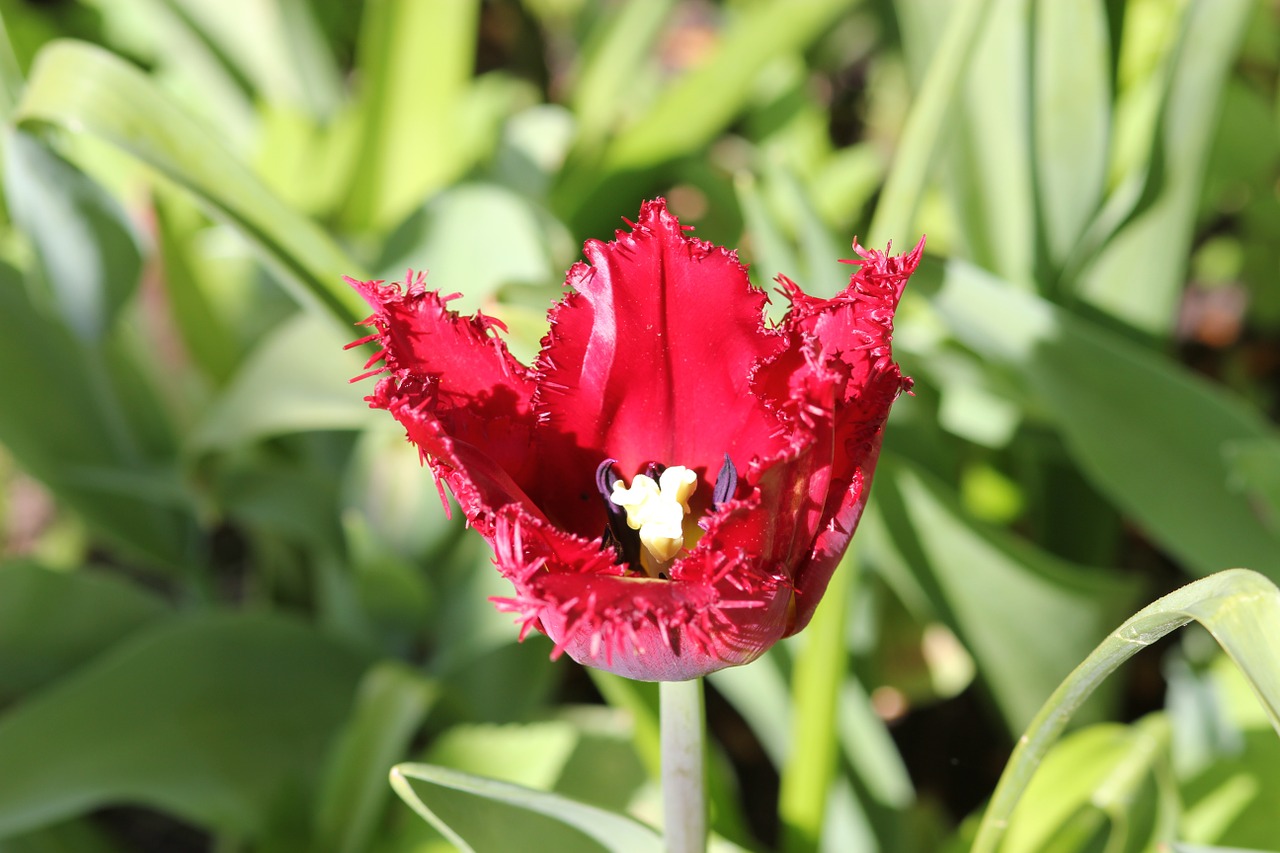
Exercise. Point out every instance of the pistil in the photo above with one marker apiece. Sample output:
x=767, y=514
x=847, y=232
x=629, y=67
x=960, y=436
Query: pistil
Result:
x=656, y=510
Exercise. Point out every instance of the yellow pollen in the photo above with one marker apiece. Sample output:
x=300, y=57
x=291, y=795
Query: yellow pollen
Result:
x=658, y=509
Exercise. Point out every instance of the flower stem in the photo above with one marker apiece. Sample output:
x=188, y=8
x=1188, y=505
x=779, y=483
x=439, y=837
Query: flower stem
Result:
x=683, y=788
x=820, y=672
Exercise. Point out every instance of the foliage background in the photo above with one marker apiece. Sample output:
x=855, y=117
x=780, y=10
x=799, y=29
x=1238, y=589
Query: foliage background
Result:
x=229, y=600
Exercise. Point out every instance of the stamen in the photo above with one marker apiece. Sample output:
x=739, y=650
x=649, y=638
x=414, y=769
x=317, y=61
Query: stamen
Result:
x=726, y=483
x=617, y=534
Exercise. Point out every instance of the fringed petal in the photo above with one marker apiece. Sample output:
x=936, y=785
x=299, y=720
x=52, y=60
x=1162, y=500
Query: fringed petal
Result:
x=649, y=359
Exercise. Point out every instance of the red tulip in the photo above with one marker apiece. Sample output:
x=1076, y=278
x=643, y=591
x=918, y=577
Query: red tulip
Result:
x=671, y=484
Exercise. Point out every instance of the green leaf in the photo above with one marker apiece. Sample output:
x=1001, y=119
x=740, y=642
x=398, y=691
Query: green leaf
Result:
x=54, y=621
x=760, y=694
x=415, y=60
x=84, y=89
x=87, y=255
x=101, y=443
x=217, y=719
x=209, y=340
x=1203, y=848
x=1071, y=104
x=1240, y=608
x=987, y=136
x=994, y=591
x=1148, y=434
x=391, y=704
x=294, y=381
x=486, y=816
x=276, y=51
x=1230, y=793
x=585, y=753
x=924, y=131
x=453, y=236
x=75, y=836
x=1139, y=273
x=693, y=110
x=807, y=777
x=1100, y=783
x=615, y=48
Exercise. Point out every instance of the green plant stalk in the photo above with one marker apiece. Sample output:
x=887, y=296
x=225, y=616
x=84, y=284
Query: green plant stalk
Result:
x=684, y=798
x=819, y=675
x=1240, y=608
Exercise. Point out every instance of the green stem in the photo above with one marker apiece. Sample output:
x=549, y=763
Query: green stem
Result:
x=684, y=796
x=816, y=681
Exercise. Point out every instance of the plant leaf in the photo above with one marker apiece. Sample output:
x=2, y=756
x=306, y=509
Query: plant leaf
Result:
x=53, y=621
x=214, y=718
x=390, y=706
x=1139, y=273
x=294, y=381
x=82, y=88
x=486, y=816
x=1240, y=608
x=88, y=258
x=1149, y=435
x=994, y=591
x=1071, y=105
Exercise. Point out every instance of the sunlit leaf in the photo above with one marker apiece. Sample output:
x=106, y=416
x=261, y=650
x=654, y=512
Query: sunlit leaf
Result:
x=295, y=381
x=1139, y=273
x=1071, y=102
x=85, y=89
x=482, y=815
x=89, y=261
x=1148, y=434
x=416, y=61
x=1240, y=608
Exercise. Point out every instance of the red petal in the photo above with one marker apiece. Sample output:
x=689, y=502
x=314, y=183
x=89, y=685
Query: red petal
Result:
x=649, y=360
x=464, y=400
x=702, y=620
x=845, y=342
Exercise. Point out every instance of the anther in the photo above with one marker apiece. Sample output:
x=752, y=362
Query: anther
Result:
x=726, y=483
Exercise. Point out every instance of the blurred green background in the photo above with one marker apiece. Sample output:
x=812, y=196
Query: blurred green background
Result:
x=229, y=598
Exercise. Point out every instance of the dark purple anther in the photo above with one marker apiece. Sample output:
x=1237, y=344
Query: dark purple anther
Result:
x=726, y=483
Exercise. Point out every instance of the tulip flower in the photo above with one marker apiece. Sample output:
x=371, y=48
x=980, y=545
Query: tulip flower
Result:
x=671, y=484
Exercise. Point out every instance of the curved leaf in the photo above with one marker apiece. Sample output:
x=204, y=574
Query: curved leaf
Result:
x=486, y=816
x=87, y=254
x=85, y=89
x=1240, y=608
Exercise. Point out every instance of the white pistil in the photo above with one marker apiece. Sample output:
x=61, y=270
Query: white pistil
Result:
x=657, y=510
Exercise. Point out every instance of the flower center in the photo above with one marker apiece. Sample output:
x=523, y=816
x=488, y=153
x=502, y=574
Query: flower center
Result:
x=656, y=510
x=648, y=522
